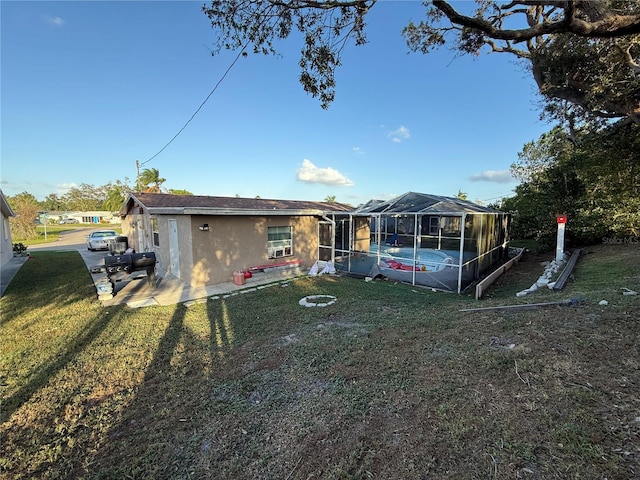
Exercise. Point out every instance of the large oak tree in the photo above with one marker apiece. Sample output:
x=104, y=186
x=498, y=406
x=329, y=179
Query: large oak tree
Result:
x=583, y=54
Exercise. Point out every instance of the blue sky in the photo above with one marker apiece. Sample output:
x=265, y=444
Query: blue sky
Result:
x=88, y=88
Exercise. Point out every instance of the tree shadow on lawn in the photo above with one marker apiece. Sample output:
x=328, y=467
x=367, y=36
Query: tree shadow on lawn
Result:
x=212, y=397
x=46, y=279
x=68, y=285
x=154, y=435
x=45, y=373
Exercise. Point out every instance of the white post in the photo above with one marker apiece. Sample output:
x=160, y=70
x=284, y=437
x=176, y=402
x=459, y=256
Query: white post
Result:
x=562, y=221
x=463, y=221
x=415, y=247
x=45, y=220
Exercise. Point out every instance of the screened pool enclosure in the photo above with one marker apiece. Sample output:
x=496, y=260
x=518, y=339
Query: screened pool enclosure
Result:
x=430, y=240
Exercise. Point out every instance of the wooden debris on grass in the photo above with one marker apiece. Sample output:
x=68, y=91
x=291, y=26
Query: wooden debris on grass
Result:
x=571, y=301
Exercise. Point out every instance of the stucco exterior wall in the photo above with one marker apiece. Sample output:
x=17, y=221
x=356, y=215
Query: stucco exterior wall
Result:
x=6, y=245
x=136, y=227
x=176, y=259
x=239, y=242
x=127, y=228
x=231, y=243
x=362, y=234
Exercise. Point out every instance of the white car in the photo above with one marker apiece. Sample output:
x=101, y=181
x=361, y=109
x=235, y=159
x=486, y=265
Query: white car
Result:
x=99, y=240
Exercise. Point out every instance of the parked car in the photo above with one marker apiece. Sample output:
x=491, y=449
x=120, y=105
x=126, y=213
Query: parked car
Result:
x=62, y=221
x=100, y=239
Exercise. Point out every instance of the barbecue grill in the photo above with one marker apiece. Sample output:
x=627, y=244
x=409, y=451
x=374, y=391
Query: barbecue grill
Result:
x=118, y=266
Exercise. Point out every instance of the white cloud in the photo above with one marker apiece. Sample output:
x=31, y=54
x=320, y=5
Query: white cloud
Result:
x=309, y=173
x=55, y=21
x=493, y=176
x=63, y=188
x=358, y=151
x=399, y=134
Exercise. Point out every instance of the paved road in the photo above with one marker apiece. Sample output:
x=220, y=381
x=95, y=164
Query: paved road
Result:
x=69, y=240
x=73, y=240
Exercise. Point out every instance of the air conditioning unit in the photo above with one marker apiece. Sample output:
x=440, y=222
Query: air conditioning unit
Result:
x=275, y=252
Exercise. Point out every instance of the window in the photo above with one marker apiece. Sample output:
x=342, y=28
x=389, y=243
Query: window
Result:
x=279, y=241
x=434, y=225
x=405, y=224
x=451, y=225
x=154, y=230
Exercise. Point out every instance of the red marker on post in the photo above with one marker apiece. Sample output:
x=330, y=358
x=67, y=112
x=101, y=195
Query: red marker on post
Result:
x=562, y=221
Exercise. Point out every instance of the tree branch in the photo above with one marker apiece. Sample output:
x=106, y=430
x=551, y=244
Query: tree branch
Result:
x=626, y=53
x=611, y=25
x=362, y=5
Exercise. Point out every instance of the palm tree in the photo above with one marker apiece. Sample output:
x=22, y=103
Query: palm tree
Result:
x=115, y=197
x=150, y=180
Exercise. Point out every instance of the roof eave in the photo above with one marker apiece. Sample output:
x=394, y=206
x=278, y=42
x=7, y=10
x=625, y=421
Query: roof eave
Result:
x=453, y=213
x=7, y=211
x=251, y=212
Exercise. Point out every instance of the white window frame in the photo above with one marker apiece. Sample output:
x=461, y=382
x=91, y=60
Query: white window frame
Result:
x=434, y=227
x=155, y=232
x=282, y=246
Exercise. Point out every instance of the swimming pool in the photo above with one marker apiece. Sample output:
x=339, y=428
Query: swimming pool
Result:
x=402, y=258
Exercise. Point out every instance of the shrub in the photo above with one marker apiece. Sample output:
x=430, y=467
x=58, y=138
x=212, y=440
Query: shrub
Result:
x=19, y=248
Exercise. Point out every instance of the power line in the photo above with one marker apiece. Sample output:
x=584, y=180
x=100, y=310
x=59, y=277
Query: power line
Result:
x=499, y=197
x=198, y=109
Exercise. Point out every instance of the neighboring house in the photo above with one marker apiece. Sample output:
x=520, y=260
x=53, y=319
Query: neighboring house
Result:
x=92, y=217
x=6, y=244
x=203, y=239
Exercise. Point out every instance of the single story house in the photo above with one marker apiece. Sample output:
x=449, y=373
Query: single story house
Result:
x=203, y=240
x=6, y=244
x=88, y=216
x=423, y=239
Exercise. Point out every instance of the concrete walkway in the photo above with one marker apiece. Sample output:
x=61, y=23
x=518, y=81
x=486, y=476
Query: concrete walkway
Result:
x=9, y=270
x=135, y=291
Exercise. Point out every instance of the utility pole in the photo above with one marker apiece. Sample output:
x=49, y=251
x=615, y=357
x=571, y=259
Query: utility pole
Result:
x=138, y=175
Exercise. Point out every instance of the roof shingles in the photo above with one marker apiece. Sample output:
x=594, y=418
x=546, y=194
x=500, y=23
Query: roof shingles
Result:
x=169, y=201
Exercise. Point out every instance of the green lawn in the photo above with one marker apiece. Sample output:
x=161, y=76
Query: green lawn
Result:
x=390, y=382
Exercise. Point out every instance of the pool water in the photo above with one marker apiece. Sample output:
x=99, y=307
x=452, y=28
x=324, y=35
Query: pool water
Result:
x=432, y=260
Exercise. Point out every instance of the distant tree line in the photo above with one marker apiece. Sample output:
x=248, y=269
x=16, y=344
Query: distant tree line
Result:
x=595, y=181
x=85, y=197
